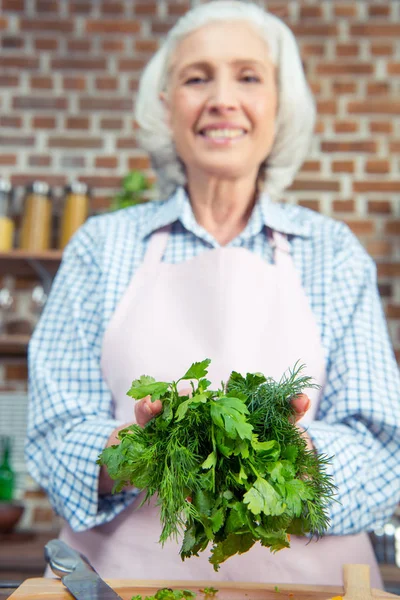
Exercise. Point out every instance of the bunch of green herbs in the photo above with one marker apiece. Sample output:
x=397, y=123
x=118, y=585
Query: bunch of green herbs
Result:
x=229, y=467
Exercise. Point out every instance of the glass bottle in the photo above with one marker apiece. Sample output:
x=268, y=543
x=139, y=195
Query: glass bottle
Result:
x=36, y=218
x=75, y=212
x=7, y=475
x=6, y=222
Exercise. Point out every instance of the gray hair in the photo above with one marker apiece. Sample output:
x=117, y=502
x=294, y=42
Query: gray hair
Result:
x=296, y=108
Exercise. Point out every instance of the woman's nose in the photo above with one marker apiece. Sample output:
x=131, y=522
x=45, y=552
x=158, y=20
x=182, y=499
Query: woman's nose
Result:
x=222, y=97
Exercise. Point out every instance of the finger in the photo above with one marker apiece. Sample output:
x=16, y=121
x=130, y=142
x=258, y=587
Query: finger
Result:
x=145, y=410
x=301, y=404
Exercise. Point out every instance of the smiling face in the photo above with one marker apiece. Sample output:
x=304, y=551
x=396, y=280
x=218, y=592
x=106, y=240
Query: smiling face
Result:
x=221, y=100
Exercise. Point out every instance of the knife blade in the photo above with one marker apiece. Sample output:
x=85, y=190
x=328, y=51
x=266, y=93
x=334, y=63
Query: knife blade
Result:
x=76, y=573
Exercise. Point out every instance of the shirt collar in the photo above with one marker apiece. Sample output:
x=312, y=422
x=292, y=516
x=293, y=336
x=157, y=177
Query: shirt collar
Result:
x=274, y=215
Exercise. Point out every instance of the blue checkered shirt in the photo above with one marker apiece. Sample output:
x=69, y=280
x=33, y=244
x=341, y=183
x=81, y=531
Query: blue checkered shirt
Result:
x=71, y=412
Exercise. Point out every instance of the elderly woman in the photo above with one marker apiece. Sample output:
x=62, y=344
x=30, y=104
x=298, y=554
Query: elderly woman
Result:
x=217, y=269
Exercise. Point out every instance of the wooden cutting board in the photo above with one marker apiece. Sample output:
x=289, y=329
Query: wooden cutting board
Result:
x=51, y=589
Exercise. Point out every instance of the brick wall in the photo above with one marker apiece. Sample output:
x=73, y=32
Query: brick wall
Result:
x=68, y=75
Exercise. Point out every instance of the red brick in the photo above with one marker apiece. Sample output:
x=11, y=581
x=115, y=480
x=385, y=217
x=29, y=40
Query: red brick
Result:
x=394, y=146
x=148, y=46
x=117, y=26
x=86, y=63
x=75, y=142
x=46, y=44
x=40, y=102
x=311, y=166
x=345, y=68
x=344, y=9
x=131, y=64
x=126, y=143
x=346, y=126
x=319, y=126
x=3, y=23
x=74, y=83
x=317, y=184
x=392, y=227
x=12, y=41
x=18, y=371
x=388, y=269
x=13, y=5
x=47, y=6
x=145, y=8
x=110, y=104
x=311, y=12
x=279, y=9
x=19, y=62
x=44, y=122
x=380, y=248
x=112, y=8
x=52, y=25
x=371, y=30
x=106, y=162
x=378, y=88
x=111, y=123
x=347, y=50
x=100, y=181
x=381, y=49
x=312, y=50
x=39, y=82
x=52, y=180
x=8, y=160
x=343, y=206
x=113, y=45
x=311, y=204
x=344, y=87
x=81, y=7
x=178, y=8
x=11, y=121
x=378, y=10
x=393, y=68
x=343, y=166
x=377, y=166
x=315, y=30
x=361, y=226
x=7, y=80
x=39, y=160
x=139, y=162
x=381, y=127
x=14, y=140
x=327, y=107
x=100, y=203
x=379, y=207
x=358, y=146
x=106, y=83
x=377, y=186
x=79, y=45
x=77, y=123
x=161, y=27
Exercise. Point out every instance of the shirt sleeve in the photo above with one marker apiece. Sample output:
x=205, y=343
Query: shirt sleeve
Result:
x=70, y=416
x=358, y=423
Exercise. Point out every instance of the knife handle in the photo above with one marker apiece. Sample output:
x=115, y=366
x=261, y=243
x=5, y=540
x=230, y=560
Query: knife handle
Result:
x=63, y=559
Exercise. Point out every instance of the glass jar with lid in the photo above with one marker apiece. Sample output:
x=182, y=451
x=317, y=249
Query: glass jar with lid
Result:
x=6, y=222
x=75, y=211
x=36, y=218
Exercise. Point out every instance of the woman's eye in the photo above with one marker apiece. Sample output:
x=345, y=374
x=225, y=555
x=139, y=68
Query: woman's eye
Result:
x=195, y=80
x=250, y=78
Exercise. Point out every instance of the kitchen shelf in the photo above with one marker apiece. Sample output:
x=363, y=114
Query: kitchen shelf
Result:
x=14, y=345
x=25, y=263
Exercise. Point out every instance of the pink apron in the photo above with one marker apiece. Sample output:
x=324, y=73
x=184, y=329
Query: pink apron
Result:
x=229, y=305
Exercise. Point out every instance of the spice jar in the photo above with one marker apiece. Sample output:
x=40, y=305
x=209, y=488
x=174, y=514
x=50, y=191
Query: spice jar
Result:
x=6, y=222
x=75, y=212
x=36, y=219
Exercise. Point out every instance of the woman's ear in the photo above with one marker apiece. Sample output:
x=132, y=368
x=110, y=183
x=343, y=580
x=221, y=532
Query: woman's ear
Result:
x=167, y=113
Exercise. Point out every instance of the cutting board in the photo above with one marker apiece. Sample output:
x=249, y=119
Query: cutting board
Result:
x=51, y=589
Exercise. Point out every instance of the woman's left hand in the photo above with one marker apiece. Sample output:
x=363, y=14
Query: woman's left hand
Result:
x=301, y=404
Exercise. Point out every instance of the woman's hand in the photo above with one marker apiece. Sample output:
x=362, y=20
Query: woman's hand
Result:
x=301, y=404
x=145, y=410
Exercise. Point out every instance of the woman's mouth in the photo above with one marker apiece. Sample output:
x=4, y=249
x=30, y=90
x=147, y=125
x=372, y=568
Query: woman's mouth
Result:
x=222, y=134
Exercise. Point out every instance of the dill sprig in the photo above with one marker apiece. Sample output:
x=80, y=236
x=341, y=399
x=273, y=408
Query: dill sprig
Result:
x=228, y=467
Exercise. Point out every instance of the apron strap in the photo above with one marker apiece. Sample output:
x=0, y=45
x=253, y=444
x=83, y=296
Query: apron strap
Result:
x=156, y=246
x=279, y=242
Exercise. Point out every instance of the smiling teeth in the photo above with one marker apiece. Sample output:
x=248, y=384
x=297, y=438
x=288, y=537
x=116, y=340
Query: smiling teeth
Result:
x=223, y=133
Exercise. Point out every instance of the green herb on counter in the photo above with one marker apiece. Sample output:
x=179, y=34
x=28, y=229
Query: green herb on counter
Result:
x=209, y=591
x=229, y=467
x=168, y=594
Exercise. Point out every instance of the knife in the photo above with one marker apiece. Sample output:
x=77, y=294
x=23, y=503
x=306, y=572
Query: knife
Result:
x=76, y=573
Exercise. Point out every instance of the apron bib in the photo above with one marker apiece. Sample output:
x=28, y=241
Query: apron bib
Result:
x=229, y=305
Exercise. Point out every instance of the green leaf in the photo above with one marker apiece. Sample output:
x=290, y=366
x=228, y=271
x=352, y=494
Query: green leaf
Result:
x=197, y=370
x=234, y=544
x=210, y=461
x=263, y=498
x=269, y=450
x=217, y=519
x=229, y=414
x=148, y=386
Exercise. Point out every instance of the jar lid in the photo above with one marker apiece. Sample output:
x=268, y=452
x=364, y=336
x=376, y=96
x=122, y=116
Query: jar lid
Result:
x=77, y=187
x=5, y=186
x=38, y=187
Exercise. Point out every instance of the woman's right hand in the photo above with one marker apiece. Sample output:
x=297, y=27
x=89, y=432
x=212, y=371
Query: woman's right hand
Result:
x=145, y=410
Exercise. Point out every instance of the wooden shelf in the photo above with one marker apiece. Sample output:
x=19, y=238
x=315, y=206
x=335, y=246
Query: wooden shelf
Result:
x=21, y=262
x=14, y=345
